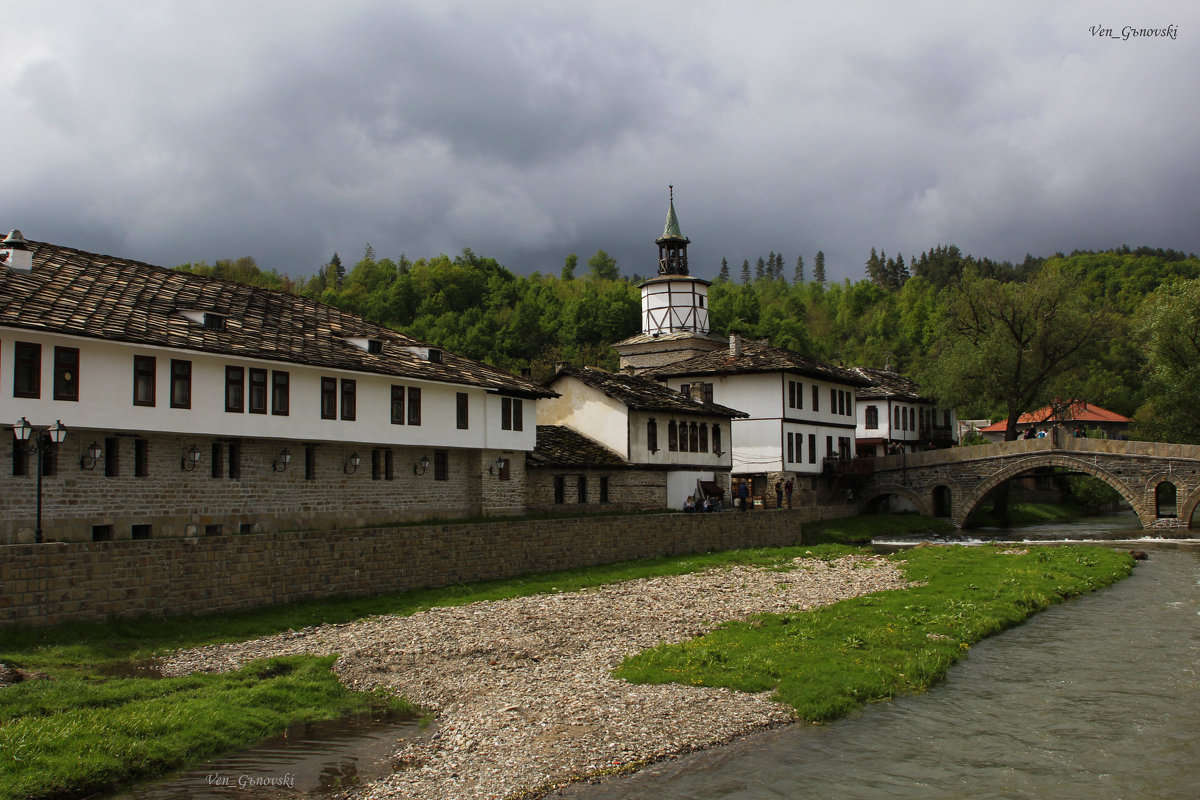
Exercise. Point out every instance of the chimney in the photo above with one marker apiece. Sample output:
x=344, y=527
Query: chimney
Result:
x=735, y=344
x=15, y=253
x=696, y=391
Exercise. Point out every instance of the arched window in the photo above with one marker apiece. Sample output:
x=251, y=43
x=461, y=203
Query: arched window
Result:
x=1165, y=494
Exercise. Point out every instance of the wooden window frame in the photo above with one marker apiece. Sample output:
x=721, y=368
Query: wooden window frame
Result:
x=235, y=389
x=66, y=373
x=27, y=355
x=145, y=380
x=181, y=383
x=281, y=393
x=256, y=398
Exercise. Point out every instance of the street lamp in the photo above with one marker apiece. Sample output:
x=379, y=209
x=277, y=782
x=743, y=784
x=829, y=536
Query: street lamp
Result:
x=48, y=439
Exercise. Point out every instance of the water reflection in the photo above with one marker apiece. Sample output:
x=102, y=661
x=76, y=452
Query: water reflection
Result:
x=1096, y=698
x=308, y=760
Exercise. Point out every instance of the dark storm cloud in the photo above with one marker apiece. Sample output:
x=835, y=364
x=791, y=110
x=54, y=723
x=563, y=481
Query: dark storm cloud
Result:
x=526, y=131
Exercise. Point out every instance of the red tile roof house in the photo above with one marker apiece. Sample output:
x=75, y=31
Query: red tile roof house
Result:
x=1077, y=413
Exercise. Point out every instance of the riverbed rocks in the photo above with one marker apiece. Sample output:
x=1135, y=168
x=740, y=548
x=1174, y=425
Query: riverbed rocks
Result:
x=522, y=690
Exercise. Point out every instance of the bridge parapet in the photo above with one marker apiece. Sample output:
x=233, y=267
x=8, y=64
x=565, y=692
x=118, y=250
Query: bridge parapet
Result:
x=1021, y=447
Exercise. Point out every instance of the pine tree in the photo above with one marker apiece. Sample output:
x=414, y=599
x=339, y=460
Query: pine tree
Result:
x=746, y=271
x=798, y=278
x=368, y=252
x=819, y=267
x=723, y=275
x=760, y=269
x=771, y=265
x=336, y=270
x=874, y=269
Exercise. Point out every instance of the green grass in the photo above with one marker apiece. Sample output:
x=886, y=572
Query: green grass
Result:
x=1025, y=514
x=73, y=736
x=827, y=662
x=856, y=530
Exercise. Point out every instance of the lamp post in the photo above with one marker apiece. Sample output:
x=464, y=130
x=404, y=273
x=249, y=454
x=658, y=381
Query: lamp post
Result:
x=47, y=440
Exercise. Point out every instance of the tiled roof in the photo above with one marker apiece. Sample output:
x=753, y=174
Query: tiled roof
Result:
x=757, y=357
x=1079, y=411
x=559, y=446
x=644, y=395
x=885, y=384
x=102, y=297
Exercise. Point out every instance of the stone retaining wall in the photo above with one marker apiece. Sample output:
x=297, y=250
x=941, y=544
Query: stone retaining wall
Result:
x=52, y=583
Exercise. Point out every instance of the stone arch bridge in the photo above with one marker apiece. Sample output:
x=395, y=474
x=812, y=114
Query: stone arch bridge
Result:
x=1161, y=482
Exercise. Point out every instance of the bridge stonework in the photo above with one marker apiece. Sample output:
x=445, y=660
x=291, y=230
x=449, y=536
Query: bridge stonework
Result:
x=953, y=482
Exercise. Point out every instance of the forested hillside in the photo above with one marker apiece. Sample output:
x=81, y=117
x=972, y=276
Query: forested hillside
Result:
x=1118, y=328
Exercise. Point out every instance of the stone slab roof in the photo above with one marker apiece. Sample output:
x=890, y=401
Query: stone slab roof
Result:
x=96, y=296
x=681, y=336
x=759, y=357
x=888, y=384
x=560, y=446
x=641, y=394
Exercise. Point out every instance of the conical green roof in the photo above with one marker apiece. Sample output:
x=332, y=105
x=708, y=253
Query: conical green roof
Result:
x=671, y=229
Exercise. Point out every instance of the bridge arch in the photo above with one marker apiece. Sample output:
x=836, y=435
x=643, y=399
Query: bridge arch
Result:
x=880, y=491
x=1136, y=498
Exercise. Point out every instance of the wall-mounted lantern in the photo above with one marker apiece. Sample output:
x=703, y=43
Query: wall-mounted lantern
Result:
x=420, y=466
x=352, y=463
x=281, y=464
x=190, y=458
x=91, y=457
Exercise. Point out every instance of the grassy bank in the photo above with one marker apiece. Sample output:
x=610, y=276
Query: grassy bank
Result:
x=829, y=661
x=83, y=730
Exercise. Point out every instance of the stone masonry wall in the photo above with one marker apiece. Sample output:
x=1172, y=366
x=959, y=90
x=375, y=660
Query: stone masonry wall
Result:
x=174, y=502
x=51, y=583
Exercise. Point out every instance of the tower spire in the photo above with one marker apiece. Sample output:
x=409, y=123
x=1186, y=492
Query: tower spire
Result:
x=672, y=245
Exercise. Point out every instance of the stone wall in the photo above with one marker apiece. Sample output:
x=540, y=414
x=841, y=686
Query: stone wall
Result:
x=51, y=583
x=175, y=502
x=628, y=489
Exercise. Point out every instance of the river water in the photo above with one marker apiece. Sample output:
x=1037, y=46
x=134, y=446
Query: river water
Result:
x=1098, y=697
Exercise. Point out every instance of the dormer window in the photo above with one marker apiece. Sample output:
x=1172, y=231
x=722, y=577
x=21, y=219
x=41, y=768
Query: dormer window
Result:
x=374, y=346
x=430, y=354
x=214, y=322
x=435, y=356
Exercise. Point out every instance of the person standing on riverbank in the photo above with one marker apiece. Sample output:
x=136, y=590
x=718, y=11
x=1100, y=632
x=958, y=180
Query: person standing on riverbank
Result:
x=743, y=494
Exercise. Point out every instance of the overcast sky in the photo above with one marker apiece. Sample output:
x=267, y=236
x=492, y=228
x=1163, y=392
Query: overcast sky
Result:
x=192, y=131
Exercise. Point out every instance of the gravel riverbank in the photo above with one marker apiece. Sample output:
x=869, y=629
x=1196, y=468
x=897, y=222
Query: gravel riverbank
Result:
x=521, y=688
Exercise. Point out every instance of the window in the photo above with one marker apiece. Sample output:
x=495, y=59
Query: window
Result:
x=694, y=438
x=582, y=489
x=872, y=417
x=717, y=439
x=703, y=439
x=559, y=490
x=789, y=448
x=235, y=460
x=102, y=533
x=235, y=389
x=27, y=370
x=441, y=465
x=140, y=531
x=812, y=448
x=218, y=460
x=414, y=406
x=842, y=398
x=214, y=322
x=791, y=394
x=816, y=398
x=348, y=395
x=280, y=393
x=603, y=488
x=310, y=463
x=896, y=424
x=462, y=408
x=50, y=462
x=833, y=401
x=512, y=414
x=144, y=368
x=112, y=457
x=258, y=391
x=328, y=398
x=708, y=392
x=141, y=458
x=829, y=451
x=389, y=466
x=397, y=405
x=376, y=464
x=66, y=373
x=652, y=435
x=181, y=383
x=672, y=436
x=683, y=437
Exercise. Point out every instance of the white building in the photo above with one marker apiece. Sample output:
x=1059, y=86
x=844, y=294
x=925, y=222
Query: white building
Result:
x=894, y=416
x=675, y=440
x=800, y=413
x=198, y=406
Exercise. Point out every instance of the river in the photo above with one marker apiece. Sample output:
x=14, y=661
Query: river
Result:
x=1098, y=697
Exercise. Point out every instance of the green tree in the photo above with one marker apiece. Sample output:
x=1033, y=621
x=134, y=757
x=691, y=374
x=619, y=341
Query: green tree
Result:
x=746, y=271
x=1006, y=344
x=798, y=277
x=604, y=267
x=1168, y=326
x=723, y=275
x=568, y=270
x=819, y=267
